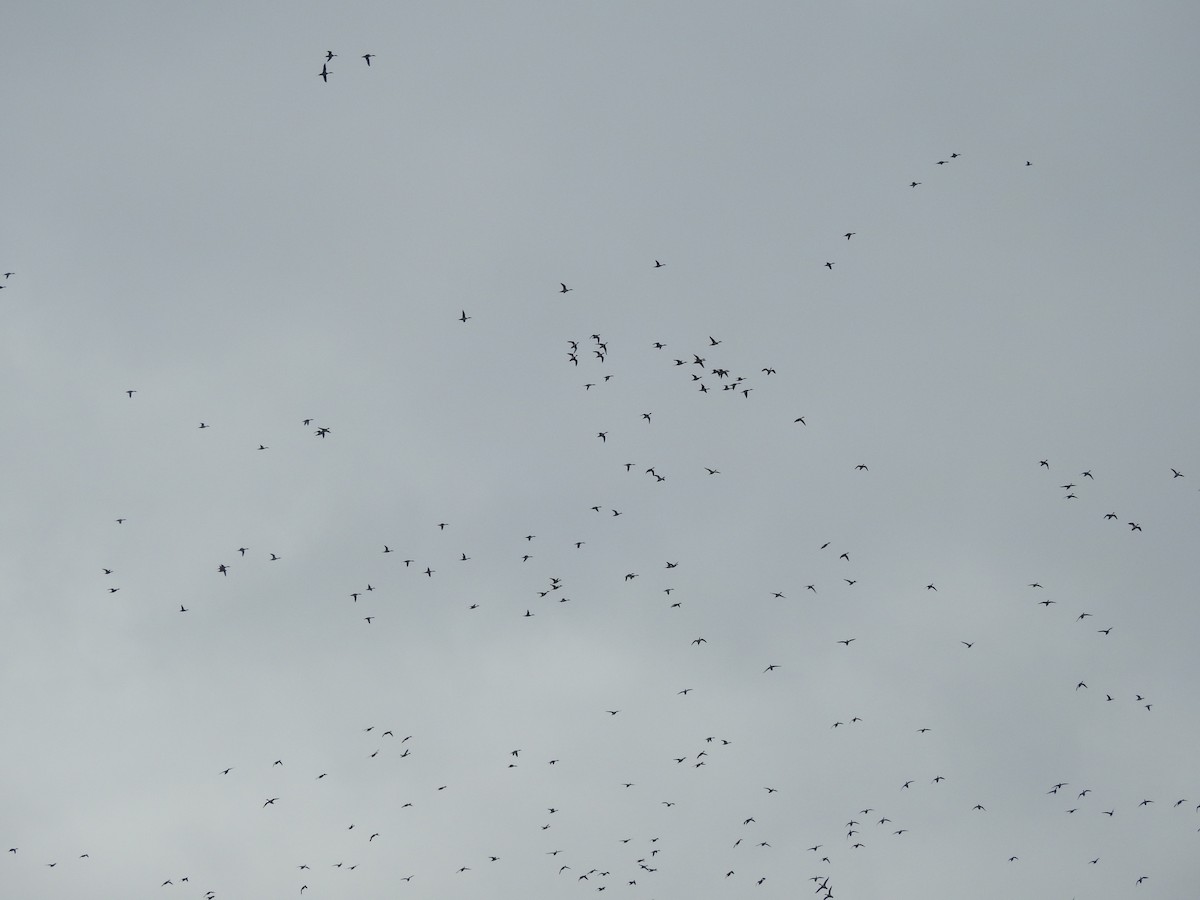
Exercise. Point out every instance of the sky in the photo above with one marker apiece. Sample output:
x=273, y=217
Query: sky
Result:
x=848, y=563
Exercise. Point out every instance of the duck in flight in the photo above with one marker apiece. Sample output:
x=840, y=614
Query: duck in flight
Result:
x=565, y=288
x=325, y=73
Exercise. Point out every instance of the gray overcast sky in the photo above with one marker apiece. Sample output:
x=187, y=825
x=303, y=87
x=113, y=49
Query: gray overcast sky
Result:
x=191, y=213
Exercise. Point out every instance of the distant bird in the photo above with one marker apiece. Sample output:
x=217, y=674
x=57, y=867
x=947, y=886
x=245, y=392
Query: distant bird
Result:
x=270, y=802
x=829, y=266
x=967, y=644
x=131, y=393
x=848, y=641
x=800, y=420
x=463, y=316
x=183, y=608
x=1134, y=526
x=915, y=183
x=1175, y=473
x=325, y=73
x=329, y=55
x=849, y=234
x=565, y=288
x=367, y=57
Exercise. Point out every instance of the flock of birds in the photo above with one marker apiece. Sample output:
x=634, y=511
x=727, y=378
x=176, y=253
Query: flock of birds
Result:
x=329, y=57
x=646, y=855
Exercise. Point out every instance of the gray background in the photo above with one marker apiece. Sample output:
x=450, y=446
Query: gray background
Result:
x=192, y=214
